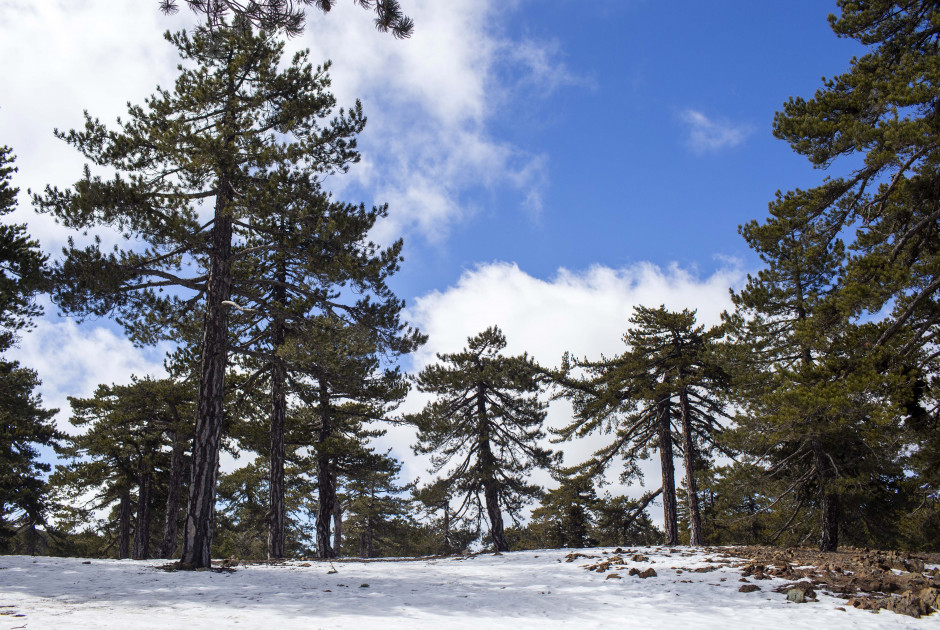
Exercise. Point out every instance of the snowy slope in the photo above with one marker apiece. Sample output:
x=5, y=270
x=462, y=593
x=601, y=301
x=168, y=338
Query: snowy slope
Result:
x=521, y=590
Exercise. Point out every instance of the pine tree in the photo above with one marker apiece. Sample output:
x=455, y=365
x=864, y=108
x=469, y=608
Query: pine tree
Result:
x=636, y=395
x=308, y=256
x=485, y=424
x=376, y=507
x=878, y=122
x=26, y=426
x=231, y=118
x=817, y=412
x=132, y=452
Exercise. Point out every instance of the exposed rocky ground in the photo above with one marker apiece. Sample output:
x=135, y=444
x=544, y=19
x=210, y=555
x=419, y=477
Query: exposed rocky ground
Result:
x=867, y=580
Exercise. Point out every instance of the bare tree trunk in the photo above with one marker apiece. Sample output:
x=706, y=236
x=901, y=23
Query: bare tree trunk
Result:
x=448, y=545
x=197, y=533
x=142, y=526
x=669, y=476
x=124, y=531
x=337, y=529
x=171, y=523
x=326, y=478
x=488, y=471
x=277, y=511
x=688, y=448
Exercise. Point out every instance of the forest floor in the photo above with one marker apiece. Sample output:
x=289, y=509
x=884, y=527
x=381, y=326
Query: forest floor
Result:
x=646, y=588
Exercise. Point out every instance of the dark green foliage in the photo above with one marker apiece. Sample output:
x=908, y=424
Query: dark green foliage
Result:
x=289, y=14
x=122, y=461
x=377, y=516
x=22, y=265
x=485, y=425
x=663, y=392
x=565, y=517
x=621, y=521
x=26, y=427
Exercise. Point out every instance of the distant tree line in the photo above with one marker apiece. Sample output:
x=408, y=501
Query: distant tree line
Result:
x=808, y=415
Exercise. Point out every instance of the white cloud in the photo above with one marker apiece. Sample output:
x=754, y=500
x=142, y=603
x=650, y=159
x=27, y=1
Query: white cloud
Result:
x=706, y=134
x=72, y=361
x=585, y=313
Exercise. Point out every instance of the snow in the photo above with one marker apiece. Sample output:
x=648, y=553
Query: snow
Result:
x=519, y=590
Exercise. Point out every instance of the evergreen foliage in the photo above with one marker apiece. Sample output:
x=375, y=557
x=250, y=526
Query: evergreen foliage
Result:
x=663, y=392
x=289, y=14
x=232, y=119
x=26, y=426
x=485, y=425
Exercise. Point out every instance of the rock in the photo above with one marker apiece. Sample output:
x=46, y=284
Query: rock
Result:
x=796, y=596
x=87, y=562
x=639, y=558
x=749, y=588
x=363, y=585
x=907, y=604
x=633, y=571
x=648, y=573
x=611, y=576
x=304, y=564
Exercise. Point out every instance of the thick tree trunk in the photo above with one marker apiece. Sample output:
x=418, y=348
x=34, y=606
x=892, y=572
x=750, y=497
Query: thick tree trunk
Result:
x=688, y=448
x=277, y=512
x=326, y=478
x=124, y=530
x=197, y=533
x=142, y=527
x=669, y=476
x=174, y=489
x=337, y=529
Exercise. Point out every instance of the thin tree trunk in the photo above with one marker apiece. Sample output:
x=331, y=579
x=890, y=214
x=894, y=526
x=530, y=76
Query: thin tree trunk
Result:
x=197, y=533
x=362, y=544
x=124, y=531
x=448, y=545
x=688, y=448
x=171, y=523
x=337, y=529
x=142, y=527
x=669, y=475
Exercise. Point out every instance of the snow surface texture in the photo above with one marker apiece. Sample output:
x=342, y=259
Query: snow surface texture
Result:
x=520, y=590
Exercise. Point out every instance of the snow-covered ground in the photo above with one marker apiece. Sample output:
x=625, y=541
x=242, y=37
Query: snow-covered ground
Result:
x=520, y=590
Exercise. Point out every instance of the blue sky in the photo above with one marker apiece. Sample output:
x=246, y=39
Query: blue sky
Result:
x=549, y=163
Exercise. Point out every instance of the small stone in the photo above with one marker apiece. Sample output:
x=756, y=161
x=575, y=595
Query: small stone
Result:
x=648, y=573
x=87, y=562
x=363, y=585
x=633, y=571
x=796, y=595
x=613, y=576
x=750, y=588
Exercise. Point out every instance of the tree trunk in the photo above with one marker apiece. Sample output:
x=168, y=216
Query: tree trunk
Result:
x=829, y=503
x=688, y=448
x=337, y=529
x=124, y=531
x=277, y=512
x=448, y=545
x=669, y=475
x=174, y=489
x=488, y=472
x=197, y=533
x=362, y=544
x=326, y=478
x=142, y=527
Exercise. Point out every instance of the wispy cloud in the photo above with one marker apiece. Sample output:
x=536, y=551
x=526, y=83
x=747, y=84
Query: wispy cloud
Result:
x=707, y=134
